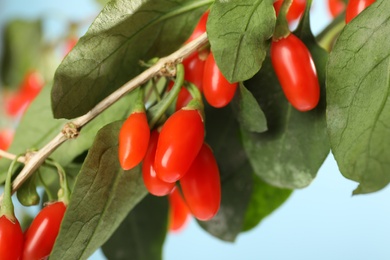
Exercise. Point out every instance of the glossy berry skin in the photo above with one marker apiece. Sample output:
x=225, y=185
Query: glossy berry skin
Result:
x=201, y=185
x=193, y=65
x=294, y=12
x=153, y=184
x=295, y=69
x=11, y=239
x=355, y=7
x=178, y=211
x=43, y=231
x=335, y=7
x=183, y=98
x=216, y=89
x=200, y=28
x=180, y=140
x=133, y=140
x=194, y=68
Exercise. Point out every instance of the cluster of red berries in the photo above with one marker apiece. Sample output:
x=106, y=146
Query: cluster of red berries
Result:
x=202, y=70
x=37, y=241
x=177, y=153
x=292, y=61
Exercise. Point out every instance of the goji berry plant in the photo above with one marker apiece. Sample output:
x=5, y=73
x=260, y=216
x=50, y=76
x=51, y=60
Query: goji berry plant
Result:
x=166, y=110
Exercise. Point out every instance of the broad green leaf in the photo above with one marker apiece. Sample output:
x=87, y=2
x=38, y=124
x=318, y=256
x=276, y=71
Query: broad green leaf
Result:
x=141, y=235
x=38, y=127
x=290, y=153
x=108, y=55
x=358, y=87
x=264, y=200
x=238, y=32
x=22, y=50
x=102, y=197
x=223, y=136
x=248, y=111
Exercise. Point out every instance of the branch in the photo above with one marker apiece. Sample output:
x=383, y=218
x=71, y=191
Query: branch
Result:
x=11, y=156
x=40, y=156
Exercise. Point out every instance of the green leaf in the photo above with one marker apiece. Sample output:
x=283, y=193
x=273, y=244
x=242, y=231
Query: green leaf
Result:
x=22, y=50
x=238, y=32
x=248, y=111
x=264, y=200
x=290, y=153
x=27, y=194
x=223, y=136
x=108, y=55
x=38, y=127
x=141, y=235
x=358, y=112
x=103, y=195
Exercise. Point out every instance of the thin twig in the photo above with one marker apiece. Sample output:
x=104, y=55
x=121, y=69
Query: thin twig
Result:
x=148, y=74
x=11, y=156
x=40, y=156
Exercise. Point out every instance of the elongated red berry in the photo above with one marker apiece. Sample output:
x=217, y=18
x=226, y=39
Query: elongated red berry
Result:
x=201, y=185
x=11, y=239
x=43, y=231
x=200, y=27
x=194, y=68
x=180, y=140
x=178, y=211
x=295, y=69
x=133, y=140
x=152, y=183
x=216, y=89
x=193, y=65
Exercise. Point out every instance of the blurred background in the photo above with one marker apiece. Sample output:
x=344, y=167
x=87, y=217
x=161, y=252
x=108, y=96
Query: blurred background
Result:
x=323, y=221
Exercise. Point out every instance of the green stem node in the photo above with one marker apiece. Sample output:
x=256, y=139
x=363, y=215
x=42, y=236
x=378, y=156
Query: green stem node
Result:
x=173, y=93
x=64, y=191
x=7, y=207
x=281, y=27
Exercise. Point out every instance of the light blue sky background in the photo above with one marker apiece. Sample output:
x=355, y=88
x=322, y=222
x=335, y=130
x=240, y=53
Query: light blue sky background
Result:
x=320, y=222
